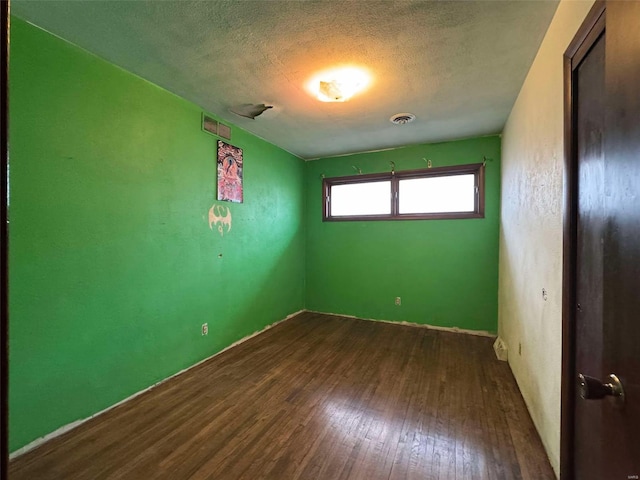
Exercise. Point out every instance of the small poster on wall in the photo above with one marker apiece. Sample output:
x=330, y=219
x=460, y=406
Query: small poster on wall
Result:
x=229, y=172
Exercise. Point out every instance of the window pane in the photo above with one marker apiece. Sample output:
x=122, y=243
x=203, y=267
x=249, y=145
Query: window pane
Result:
x=455, y=193
x=372, y=198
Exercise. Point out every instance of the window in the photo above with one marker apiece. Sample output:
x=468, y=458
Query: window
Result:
x=434, y=193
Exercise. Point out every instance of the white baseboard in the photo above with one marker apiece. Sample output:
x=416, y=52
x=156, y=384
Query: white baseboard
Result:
x=479, y=333
x=70, y=426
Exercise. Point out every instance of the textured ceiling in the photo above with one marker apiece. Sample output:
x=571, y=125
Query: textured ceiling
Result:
x=458, y=66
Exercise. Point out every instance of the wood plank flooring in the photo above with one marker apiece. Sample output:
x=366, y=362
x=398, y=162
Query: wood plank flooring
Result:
x=316, y=397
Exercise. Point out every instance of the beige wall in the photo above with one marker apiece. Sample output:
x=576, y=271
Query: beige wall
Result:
x=531, y=229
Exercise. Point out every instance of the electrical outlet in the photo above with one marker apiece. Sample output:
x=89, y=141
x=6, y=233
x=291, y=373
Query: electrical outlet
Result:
x=398, y=301
x=205, y=329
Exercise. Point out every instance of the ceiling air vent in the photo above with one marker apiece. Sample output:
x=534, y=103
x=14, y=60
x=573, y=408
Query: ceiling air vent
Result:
x=402, y=118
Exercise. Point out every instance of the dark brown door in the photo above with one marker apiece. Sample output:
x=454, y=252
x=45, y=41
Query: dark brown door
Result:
x=591, y=226
x=606, y=245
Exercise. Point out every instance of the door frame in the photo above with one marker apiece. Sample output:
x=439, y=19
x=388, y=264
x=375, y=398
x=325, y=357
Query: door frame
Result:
x=586, y=36
x=4, y=269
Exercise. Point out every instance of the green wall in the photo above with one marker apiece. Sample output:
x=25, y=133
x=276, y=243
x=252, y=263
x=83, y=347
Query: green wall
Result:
x=113, y=267
x=445, y=271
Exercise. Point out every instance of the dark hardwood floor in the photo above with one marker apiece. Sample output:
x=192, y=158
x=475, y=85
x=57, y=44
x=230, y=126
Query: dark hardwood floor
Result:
x=316, y=397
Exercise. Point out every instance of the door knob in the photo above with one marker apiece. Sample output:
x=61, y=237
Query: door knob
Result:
x=593, y=389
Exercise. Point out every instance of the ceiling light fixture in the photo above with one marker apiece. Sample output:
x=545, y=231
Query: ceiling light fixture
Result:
x=339, y=84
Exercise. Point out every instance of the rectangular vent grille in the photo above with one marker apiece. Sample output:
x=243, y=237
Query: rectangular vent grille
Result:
x=214, y=127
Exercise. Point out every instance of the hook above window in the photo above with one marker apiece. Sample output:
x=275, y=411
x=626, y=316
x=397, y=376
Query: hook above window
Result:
x=357, y=169
x=393, y=167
